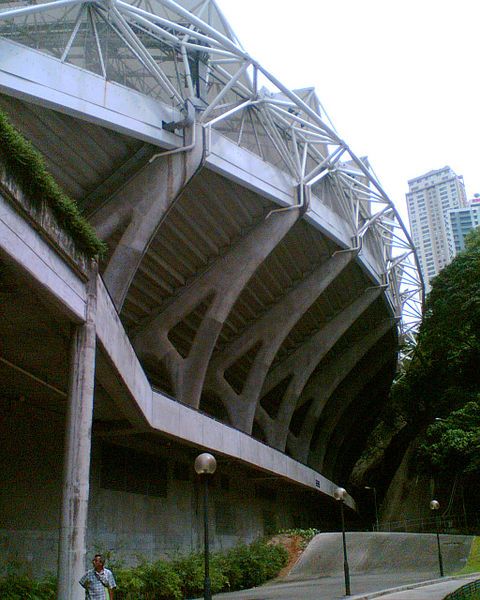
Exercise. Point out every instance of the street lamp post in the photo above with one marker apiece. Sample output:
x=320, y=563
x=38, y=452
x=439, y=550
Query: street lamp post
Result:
x=205, y=466
x=435, y=505
x=368, y=487
x=340, y=495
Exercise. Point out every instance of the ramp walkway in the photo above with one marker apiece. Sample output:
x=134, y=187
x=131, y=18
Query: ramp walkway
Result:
x=387, y=565
x=381, y=552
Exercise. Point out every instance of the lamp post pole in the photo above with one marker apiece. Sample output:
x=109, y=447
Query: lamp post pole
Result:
x=435, y=505
x=205, y=466
x=339, y=495
x=207, y=590
x=367, y=487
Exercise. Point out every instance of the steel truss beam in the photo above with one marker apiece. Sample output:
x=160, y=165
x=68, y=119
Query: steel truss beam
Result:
x=185, y=55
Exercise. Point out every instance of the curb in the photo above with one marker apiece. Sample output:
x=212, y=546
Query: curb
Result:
x=413, y=586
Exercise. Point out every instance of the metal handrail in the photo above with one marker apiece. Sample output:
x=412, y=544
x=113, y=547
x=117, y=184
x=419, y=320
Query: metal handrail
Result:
x=459, y=523
x=466, y=592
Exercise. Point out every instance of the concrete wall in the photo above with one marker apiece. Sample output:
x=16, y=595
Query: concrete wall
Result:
x=126, y=524
x=31, y=463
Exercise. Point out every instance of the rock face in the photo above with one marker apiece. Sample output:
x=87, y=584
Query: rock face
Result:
x=379, y=552
x=409, y=494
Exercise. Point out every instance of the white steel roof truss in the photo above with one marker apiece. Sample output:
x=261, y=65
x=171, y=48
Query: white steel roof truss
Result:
x=292, y=124
x=272, y=132
x=97, y=41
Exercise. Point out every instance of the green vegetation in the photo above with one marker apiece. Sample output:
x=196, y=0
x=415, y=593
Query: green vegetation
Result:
x=149, y=581
x=453, y=444
x=241, y=567
x=28, y=168
x=305, y=534
x=249, y=566
x=17, y=586
x=444, y=372
x=473, y=561
x=440, y=381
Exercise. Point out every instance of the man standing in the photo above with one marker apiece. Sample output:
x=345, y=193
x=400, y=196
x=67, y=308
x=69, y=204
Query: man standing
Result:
x=98, y=582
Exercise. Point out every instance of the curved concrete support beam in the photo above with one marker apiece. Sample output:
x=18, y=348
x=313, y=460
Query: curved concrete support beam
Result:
x=271, y=331
x=224, y=282
x=322, y=386
x=325, y=453
x=142, y=204
x=303, y=362
x=353, y=441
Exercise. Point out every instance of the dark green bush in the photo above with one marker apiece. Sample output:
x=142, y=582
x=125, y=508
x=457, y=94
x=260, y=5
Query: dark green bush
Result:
x=190, y=569
x=250, y=566
x=149, y=581
x=22, y=587
x=241, y=567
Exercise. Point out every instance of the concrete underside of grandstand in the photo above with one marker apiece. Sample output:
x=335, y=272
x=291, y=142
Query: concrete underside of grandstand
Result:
x=256, y=287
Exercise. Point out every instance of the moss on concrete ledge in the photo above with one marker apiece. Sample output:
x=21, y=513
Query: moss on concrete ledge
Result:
x=27, y=166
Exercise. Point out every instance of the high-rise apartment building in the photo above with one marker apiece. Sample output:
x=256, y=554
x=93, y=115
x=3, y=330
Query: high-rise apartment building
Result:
x=429, y=200
x=463, y=220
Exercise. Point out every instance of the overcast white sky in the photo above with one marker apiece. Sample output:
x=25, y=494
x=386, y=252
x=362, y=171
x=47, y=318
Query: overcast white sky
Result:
x=399, y=80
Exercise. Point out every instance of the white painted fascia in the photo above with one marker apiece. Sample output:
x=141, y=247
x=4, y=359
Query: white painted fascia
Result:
x=30, y=75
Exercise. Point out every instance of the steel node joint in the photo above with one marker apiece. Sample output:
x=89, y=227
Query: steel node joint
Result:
x=187, y=121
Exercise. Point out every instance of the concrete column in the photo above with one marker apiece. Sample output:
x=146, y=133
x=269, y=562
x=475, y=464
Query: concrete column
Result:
x=76, y=470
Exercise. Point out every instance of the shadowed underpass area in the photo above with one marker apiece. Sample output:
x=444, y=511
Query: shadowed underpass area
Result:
x=377, y=561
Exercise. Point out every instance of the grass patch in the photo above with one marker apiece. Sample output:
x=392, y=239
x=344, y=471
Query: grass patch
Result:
x=473, y=561
x=28, y=168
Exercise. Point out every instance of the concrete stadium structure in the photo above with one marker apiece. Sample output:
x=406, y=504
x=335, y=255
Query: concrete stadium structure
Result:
x=257, y=284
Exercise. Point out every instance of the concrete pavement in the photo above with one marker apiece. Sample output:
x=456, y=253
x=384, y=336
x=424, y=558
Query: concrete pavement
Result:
x=429, y=590
x=388, y=586
x=394, y=566
x=382, y=553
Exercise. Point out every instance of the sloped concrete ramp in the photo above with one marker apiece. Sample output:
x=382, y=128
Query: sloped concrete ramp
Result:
x=381, y=552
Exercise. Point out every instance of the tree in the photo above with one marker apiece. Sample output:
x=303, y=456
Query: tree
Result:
x=441, y=380
x=443, y=375
x=452, y=445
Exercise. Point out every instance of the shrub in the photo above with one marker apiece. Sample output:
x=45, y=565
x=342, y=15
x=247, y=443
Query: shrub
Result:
x=305, y=534
x=241, y=567
x=22, y=587
x=149, y=581
x=190, y=569
x=250, y=566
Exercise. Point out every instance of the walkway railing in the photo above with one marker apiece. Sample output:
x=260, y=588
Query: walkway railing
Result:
x=459, y=524
x=470, y=591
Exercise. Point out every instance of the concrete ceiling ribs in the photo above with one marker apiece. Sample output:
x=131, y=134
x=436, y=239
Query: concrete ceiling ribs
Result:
x=258, y=268
x=320, y=389
x=269, y=332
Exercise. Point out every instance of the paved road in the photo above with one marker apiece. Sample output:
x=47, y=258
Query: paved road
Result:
x=325, y=588
x=378, y=561
x=363, y=587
